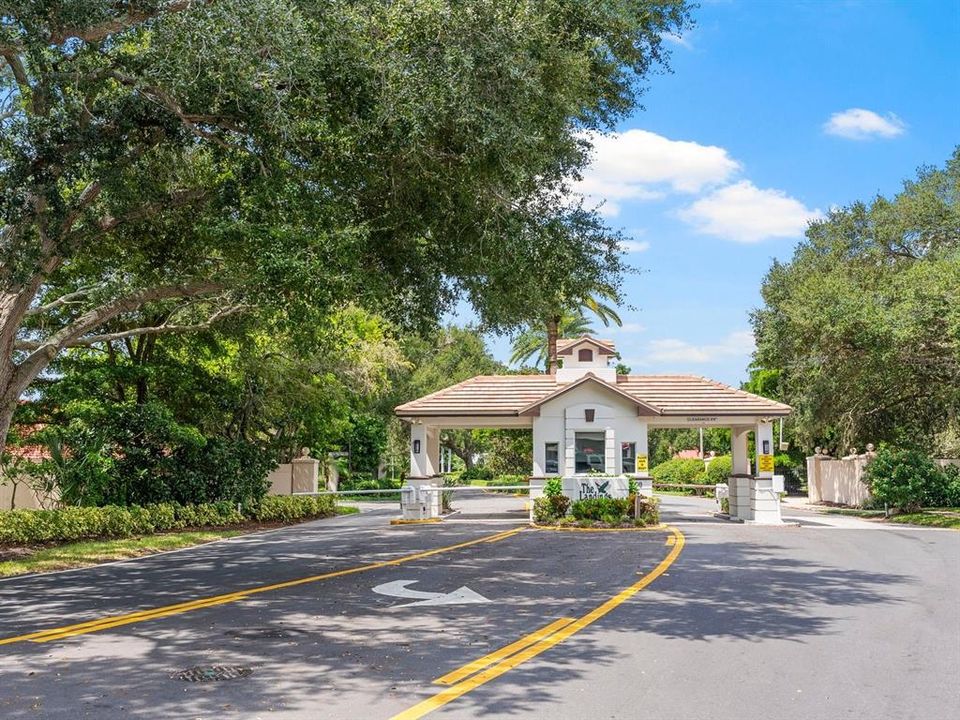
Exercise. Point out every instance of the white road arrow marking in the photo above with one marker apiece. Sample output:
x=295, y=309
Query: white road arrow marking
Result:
x=398, y=588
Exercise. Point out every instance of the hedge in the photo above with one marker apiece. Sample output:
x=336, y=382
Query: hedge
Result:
x=24, y=527
x=678, y=471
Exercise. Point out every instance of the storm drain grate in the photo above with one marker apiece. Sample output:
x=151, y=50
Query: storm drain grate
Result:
x=265, y=633
x=210, y=673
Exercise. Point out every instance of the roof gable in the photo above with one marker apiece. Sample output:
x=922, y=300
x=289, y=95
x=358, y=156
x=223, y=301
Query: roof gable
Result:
x=643, y=408
x=566, y=346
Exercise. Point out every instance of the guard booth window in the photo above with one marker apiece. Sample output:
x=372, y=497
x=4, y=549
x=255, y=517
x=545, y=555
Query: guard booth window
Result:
x=551, y=462
x=628, y=456
x=589, y=452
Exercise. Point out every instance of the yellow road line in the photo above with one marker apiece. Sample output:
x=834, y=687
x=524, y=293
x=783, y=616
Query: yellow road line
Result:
x=671, y=541
x=480, y=663
x=463, y=687
x=177, y=608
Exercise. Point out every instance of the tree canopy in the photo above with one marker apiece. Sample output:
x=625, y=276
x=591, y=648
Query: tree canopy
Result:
x=167, y=164
x=860, y=331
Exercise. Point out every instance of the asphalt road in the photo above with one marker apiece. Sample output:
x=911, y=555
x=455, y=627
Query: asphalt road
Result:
x=836, y=618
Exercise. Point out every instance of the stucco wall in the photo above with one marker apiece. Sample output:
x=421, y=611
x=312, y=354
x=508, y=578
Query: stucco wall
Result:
x=561, y=417
x=840, y=480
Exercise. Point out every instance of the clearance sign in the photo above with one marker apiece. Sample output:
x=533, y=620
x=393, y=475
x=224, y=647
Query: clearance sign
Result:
x=642, y=465
x=765, y=463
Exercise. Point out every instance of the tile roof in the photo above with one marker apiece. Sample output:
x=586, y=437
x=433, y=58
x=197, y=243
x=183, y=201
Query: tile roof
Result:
x=672, y=395
x=606, y=346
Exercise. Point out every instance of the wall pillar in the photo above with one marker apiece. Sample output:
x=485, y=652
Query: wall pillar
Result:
x=424, y=450
x=611, y=463
x=569, y=452
x=764, y=503
x=737, y=484
x=643, y=461
x=304, y=473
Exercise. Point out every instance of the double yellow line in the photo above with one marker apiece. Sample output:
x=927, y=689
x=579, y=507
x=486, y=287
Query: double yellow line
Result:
x=113, y=621
x=480, y=671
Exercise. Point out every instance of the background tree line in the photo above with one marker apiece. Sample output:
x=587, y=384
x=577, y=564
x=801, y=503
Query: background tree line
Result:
x=224, y=225
x=860, y=330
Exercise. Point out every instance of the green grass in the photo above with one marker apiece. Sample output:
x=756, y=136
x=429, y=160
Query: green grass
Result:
x=91, y=552
x=931, y=517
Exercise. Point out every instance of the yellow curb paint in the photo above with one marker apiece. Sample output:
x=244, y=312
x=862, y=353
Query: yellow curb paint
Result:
x=480, y=663
x=564, y=528
x=463, y=687
x=199, y=603
x=425, y=521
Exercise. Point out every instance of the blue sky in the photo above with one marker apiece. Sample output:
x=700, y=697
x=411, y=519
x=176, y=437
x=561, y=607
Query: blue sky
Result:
x=775, y=112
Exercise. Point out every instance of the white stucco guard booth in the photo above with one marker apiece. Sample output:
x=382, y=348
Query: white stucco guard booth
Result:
x=590, y=428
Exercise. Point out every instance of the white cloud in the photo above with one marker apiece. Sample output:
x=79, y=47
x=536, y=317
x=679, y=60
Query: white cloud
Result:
x=673, y=350
x=628, y=327
x=635, y=246
x=860, y=124
x=744, y=213
x=675, y=39
x=641, y=165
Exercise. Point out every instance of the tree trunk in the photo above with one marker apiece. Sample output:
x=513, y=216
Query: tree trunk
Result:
x=553, y=325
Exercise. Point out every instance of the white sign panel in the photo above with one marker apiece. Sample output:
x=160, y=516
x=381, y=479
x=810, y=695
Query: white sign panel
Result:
x=584, y=487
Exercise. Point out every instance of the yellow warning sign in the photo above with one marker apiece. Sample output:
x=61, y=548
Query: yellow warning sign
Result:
x=642, y=463
x=765, y=463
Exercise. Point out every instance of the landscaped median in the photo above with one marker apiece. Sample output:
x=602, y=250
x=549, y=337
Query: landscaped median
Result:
x=43, y=540
x=556, y=510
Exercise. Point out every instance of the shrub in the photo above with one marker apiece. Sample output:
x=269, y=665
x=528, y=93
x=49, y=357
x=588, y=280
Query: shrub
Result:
x=477, y=472
x=678, y=472
x=905, y=480
x=553, y=487
x=719, y=470
x=648, y=511
x=25, y=527
x=550, y=508
x=601, y=508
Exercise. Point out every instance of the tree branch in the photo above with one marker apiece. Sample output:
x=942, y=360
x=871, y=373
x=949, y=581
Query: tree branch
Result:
x=101, y=31
x=67, y=299
x=48, y=349
x=163, y=329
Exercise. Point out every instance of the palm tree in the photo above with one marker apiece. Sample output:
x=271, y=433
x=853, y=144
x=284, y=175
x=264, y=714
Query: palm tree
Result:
x=569, y=321
x=534, y=342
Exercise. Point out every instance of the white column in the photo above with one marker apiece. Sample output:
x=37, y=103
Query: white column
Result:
x=569, y=453
x=611, y=463
x=764, y=443
x=764, y=503
x=738, y=483
x=433, y=451
x=418, y=450
x=424, y=450
x=643, y=461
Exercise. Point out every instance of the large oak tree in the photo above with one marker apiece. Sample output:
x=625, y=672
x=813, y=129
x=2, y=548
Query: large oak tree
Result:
x=167, y=163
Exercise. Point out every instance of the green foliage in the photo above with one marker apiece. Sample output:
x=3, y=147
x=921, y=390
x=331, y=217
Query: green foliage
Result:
x=531, y=344
x=719, y=470
x=608, y=510
x=860, y=330
x=664, y=442
x=477, y=472
x=908, y=480
x=550, y=508
x=26, y=527
x=678, y=472
x=137, y=454
x=648, y=511
x=553, y=487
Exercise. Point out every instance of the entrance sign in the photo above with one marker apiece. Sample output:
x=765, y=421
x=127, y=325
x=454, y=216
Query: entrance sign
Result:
x=584, y=487
x=765, y=463
x=398, y=588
